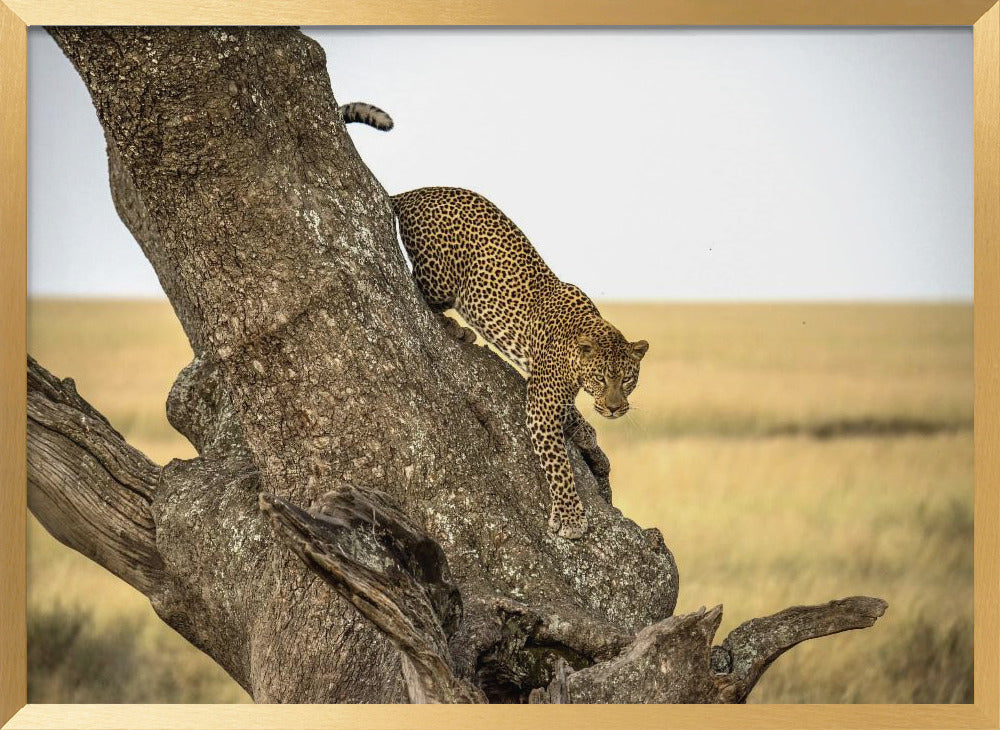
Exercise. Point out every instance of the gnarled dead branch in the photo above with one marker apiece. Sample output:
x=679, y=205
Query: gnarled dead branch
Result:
x=89, y=488
x=392, y=572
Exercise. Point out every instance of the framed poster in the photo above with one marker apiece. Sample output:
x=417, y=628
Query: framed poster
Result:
x=233, y=341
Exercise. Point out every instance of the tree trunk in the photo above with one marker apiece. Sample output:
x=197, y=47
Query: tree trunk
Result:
x=341, y=433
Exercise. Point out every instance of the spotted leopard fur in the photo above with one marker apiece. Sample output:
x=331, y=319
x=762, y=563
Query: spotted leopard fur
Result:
x=363, y=113
x=468, y=255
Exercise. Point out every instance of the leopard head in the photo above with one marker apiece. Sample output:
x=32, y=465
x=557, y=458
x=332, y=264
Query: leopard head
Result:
x=607, y=367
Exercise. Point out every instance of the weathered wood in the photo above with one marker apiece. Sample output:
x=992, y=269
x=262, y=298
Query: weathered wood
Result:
x=89, y=488
x=751, y=647
x=673, y=661
x=392, y=572
x=395, y=575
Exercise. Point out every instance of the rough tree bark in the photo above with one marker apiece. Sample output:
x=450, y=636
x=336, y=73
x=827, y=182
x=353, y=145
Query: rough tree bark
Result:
x=365, y=521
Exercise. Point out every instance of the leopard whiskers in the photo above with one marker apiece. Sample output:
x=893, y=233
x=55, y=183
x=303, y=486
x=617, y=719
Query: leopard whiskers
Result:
x=638, y=425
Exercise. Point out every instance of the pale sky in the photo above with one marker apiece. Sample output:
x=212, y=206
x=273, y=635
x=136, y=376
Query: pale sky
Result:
x=684, y=164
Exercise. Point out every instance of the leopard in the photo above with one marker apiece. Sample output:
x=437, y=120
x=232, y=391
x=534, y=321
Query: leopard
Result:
x=468, y=256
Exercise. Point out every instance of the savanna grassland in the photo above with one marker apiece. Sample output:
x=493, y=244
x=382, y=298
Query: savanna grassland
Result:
x=790, y=453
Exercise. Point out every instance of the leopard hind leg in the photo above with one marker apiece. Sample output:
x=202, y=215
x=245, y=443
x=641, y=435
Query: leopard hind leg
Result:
x=439, y=303
x=454, y=329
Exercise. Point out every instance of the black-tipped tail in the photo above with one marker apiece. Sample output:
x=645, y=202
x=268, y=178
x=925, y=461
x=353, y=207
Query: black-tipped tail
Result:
x=359, y=111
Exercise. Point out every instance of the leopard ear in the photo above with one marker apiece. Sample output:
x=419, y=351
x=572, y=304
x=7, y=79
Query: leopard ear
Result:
x=586, y=347
x=639, y=349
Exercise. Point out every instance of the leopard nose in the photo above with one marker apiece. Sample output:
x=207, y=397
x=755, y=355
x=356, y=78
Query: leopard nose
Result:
x=619, y=411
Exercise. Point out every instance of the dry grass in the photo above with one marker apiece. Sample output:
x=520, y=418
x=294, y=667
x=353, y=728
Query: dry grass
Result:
x=720, y=452
x=755, y=368
x=124, y=356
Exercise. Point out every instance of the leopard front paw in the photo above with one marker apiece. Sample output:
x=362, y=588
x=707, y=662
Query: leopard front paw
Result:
x=575, y=531
x=572, y=526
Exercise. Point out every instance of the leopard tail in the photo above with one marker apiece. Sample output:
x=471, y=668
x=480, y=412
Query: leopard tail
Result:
x=359, y=111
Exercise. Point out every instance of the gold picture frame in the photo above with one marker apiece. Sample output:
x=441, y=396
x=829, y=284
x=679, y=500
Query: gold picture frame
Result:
x=16, y=15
